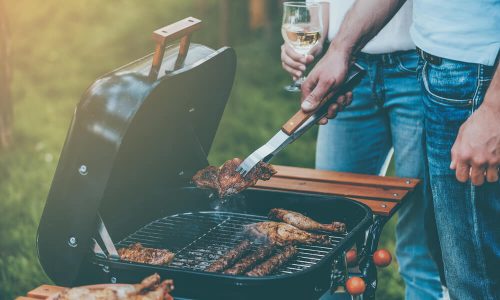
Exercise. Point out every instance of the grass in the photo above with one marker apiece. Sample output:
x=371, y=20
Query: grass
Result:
x=59, y=47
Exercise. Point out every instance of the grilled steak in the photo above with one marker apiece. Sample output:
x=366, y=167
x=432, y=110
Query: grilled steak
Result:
x=137, y=253
x=230, y=257
x=302, y=222
x=149, y=289
x=249, y=261
x=226, y=181
x=284, y=234
x=274, y=262
x=207, y=178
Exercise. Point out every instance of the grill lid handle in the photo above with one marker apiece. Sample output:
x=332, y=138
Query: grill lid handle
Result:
x=181, y=29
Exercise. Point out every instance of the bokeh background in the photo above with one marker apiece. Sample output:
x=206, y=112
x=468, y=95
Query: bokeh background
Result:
x=58, y=47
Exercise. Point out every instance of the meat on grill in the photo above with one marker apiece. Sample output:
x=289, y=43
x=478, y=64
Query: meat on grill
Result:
x=274, y=262
x=284, y=234
x=137, y=253
x=149, y=289
x=250, y=260
x=230, y=257
x=226, y=181
x=302, y=222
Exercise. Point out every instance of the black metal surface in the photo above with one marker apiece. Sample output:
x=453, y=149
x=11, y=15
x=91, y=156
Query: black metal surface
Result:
x=197, y=241
x=129, y=136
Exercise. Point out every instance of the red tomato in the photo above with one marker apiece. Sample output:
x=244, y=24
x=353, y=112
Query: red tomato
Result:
x=382, y=258
x=355, y=286
x=351, y=257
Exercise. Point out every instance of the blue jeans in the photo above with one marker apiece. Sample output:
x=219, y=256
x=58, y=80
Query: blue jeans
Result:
x=387, y=112
x=467, y=217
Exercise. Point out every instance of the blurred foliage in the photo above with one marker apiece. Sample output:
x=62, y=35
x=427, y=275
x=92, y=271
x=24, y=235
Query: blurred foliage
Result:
x=60, y=47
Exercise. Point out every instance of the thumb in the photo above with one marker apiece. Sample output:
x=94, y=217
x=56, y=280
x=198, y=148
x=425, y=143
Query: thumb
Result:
x=312, y=101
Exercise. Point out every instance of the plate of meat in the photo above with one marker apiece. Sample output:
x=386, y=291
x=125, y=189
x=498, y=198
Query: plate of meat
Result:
x=151, y=288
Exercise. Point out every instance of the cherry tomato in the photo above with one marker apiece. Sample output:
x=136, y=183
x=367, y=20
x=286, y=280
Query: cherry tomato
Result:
x=355, y=286
x=351, y=257
x=382, y=258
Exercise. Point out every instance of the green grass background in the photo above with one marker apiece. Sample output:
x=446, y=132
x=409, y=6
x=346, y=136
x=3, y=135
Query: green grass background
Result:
x=59, y=47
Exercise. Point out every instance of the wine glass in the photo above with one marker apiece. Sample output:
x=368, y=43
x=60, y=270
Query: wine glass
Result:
x=301, y=29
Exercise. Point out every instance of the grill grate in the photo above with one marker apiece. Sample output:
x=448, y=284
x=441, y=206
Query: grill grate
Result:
x=200, y=238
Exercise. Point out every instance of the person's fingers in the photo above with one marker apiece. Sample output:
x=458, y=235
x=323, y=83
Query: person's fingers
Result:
x=462, y=171
x=323, y=121
x=332, y=111
x=477, y=175
x=309, y=59
x=291, y=71
x=296, y=65
x=492, y=174
x=349, y=98
x=294, y=55
x=316, y=95
x=341, y=100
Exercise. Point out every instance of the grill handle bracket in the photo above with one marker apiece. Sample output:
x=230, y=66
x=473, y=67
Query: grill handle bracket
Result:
x=180, y=30
x=107, y=241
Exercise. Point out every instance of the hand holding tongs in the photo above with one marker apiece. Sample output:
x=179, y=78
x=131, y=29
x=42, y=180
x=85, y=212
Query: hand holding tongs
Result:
x=298, y=124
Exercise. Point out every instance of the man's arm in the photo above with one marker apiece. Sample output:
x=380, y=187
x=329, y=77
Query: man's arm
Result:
x=362, y=22
x=476, y=152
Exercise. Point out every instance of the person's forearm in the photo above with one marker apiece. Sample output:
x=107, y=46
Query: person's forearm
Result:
x=492, y=97
x=362, y=22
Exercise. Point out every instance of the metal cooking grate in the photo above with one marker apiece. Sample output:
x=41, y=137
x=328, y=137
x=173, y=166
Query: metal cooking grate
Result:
x=198, y=239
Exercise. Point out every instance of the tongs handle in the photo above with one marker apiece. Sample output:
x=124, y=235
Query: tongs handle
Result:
x=181, y=29
x=354, y=76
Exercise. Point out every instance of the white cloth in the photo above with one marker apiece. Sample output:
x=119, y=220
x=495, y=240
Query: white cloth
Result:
x=395, y=36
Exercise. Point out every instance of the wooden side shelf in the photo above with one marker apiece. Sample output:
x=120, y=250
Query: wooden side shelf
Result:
x=382, y=194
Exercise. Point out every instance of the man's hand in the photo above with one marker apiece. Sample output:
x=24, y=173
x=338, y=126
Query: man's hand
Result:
x=328, y=74
x=295, y=63
x=476, y=152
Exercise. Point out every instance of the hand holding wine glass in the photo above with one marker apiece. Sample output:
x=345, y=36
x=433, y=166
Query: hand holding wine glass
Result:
x=301, y=29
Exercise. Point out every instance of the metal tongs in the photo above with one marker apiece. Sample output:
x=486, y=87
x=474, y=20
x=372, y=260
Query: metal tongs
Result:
x=298, y=124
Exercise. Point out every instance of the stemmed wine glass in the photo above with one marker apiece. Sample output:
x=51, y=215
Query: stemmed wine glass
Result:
x=301, y=29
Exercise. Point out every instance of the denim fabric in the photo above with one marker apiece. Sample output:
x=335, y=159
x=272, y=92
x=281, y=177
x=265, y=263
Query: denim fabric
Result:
x=387, y=111
x=467, y=217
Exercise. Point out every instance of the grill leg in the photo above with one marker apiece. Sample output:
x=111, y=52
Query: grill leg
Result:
x=366, y=265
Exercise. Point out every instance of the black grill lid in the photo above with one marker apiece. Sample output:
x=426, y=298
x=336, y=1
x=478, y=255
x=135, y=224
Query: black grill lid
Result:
x=130, y=135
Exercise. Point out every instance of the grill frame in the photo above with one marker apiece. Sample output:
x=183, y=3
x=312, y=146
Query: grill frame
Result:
x=309, y=283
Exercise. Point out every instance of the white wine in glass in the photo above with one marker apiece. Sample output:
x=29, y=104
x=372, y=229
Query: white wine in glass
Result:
x=301, y=29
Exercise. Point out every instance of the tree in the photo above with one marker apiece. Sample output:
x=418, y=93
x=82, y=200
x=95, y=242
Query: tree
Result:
x=6, y=112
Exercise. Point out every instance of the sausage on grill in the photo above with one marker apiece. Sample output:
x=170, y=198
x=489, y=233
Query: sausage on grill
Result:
x=250, y=260
x=274, y=262
x=230, y=257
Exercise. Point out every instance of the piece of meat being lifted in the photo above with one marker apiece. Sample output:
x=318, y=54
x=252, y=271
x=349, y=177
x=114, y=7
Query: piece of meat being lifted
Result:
x=302, y=222
x=227, y=181
x=137, y=253
x=274, y=262
x=285, y=234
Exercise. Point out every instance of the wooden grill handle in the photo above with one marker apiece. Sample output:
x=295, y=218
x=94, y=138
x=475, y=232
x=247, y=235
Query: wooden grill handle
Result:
x=299, y=118
x=179, y=30
x=354, y=76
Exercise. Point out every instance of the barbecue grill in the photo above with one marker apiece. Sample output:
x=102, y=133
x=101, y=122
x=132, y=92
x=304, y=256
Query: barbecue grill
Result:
x=138, y=135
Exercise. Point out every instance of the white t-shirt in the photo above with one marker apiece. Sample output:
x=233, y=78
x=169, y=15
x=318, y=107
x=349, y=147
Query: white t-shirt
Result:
x=395, y=36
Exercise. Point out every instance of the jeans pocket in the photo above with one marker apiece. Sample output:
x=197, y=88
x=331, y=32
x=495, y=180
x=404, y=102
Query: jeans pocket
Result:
x=451, y=83
x=408, y=62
